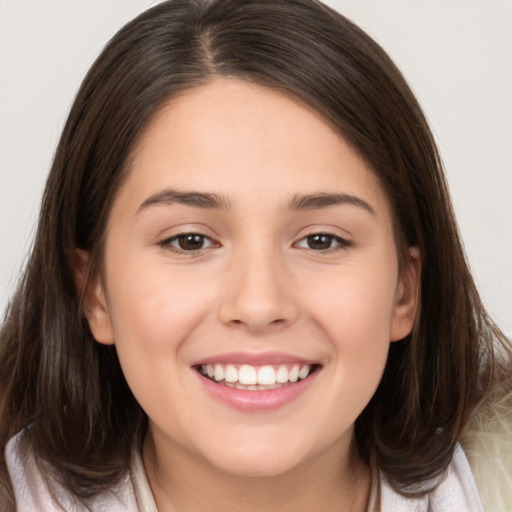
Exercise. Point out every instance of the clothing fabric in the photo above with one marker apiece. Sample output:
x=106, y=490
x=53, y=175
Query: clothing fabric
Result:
x=456, y=493
x=32, y=492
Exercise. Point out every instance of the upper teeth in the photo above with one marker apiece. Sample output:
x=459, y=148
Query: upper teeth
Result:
x=252, y=375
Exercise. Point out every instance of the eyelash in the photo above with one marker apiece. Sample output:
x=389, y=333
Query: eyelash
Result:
x=168, y=242
x=341, y=243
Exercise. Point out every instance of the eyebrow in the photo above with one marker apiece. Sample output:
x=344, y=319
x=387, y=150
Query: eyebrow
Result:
x=205, y=200
x=208, y=200
x=326, y=200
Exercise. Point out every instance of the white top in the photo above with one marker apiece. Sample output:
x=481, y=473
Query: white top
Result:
x=457, y=492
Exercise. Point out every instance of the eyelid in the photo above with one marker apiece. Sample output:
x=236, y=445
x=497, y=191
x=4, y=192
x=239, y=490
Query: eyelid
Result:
x=342, y=243
x=166, y=243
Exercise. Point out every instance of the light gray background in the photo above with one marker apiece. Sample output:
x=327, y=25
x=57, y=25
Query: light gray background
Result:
x=456, y=54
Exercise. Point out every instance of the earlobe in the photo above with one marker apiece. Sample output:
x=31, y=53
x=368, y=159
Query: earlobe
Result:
x=407, y=296
x=94, y=303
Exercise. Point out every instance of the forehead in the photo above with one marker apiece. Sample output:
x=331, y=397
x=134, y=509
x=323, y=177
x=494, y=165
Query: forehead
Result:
x=234, y=137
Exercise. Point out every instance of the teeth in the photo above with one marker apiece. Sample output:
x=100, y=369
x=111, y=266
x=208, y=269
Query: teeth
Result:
x=293, y=375
x=231, y=373
x=304, y=372
x=219, y=373
x=282, y=375
x=247, y=375
x=266, y=375
x=250, y=377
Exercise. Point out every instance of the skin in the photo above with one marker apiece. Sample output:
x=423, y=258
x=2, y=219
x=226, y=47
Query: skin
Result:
x=256, y=285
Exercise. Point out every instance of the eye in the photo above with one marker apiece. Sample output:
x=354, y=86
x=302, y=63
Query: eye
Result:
x=323, y=242
x=188, y=242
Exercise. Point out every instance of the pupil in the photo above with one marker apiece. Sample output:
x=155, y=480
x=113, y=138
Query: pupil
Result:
x=190, y=242
x=319, y=242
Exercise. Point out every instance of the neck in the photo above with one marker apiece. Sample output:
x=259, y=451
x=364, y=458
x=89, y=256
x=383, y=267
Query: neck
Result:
x=182, y=482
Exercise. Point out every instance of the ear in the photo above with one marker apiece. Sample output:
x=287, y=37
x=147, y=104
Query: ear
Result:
x=407, y=296
x=94, y=303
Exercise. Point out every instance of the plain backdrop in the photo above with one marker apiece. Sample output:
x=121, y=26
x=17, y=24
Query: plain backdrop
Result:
x=456, y=55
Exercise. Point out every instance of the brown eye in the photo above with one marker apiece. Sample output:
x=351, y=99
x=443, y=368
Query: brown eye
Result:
x=190, y=242
x=187, y=242
x=323, y=242
x=319, y=242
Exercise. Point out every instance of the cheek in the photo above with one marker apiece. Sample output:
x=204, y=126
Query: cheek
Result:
x=154, y=313
x=156, y=302
x=154, y=309
x=355, y=310
x=355, y=306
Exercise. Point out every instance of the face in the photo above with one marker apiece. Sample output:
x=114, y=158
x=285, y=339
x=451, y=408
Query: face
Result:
x=250, y=281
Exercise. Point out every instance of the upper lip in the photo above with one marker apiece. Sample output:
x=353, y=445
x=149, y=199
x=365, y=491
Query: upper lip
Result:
x=254, y=359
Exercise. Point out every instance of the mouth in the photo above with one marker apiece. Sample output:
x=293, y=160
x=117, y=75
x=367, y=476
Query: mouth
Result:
x=256, y=378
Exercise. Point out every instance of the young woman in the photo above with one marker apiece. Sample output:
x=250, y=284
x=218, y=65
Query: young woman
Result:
x=247, y=290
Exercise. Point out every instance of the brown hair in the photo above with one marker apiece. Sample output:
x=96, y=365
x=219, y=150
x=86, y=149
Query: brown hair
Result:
x=68, y=392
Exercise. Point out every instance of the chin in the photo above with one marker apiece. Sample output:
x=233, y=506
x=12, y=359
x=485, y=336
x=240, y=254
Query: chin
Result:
x=256, y=462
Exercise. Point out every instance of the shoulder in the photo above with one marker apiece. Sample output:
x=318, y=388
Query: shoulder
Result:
x=33, y=492
x=479, y=476
x=487, y=442
x=456, y=491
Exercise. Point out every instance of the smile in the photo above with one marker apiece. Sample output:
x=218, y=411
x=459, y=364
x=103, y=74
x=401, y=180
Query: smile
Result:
x=252, y=383
x=256, y=378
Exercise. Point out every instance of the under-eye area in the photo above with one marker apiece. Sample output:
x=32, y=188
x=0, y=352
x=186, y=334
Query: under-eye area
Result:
x=256, y=378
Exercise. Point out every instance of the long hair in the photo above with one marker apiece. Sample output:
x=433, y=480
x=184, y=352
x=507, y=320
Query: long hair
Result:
x=67, y=393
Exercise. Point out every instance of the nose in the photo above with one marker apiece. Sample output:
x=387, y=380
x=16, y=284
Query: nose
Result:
x=259, y=294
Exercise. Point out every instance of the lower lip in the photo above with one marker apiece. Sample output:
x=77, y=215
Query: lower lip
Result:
x=249, y=400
